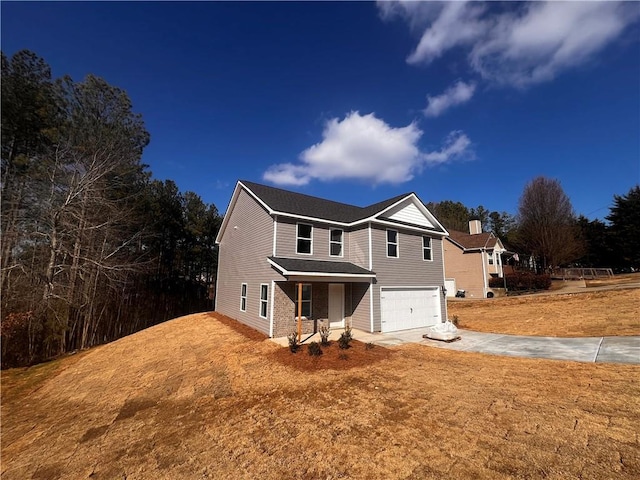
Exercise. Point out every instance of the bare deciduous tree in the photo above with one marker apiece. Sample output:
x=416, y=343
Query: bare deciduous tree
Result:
x=92, y=248
x=547, y=223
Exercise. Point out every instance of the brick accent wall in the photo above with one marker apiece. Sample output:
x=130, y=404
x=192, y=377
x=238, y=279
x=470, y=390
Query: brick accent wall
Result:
x=284, y=309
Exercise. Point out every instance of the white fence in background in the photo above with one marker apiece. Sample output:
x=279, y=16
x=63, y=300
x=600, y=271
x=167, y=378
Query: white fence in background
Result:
x=586, y=273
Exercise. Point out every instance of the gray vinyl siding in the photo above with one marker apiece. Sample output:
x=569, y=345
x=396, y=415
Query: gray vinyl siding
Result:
x=408, y=270
x=360, y=317
x=243, y=259
x=359, y=247
x=286, y=240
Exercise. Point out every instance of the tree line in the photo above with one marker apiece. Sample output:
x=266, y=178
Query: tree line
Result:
x=92, y=247
x=547, y=229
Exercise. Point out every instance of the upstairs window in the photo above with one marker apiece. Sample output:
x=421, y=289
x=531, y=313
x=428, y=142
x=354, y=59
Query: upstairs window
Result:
x=243, y=297
x=304, y=239
x=264, y=299
x=392, y=243
x=335, y=242
x=426, y=248
x=490, y=255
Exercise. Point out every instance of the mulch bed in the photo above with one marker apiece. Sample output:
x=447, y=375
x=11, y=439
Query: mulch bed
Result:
x=333, y=357
x=358, y=354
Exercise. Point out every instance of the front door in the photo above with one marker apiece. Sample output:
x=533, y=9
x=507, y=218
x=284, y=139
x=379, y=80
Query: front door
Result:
x=336, y=305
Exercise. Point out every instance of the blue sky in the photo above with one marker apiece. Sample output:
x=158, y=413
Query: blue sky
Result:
x=358, y=102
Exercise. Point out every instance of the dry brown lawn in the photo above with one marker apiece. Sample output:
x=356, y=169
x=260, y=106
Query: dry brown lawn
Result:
x=595, y=314
x=615, y=280
x=197, y=397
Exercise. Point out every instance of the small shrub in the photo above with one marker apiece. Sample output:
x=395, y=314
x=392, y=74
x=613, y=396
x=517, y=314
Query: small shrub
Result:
x=293, y=342
x=543, y=282
x=324, y=332
x=345, y=339
x=314, y=349
x=369, y=346
x=455, y=320
x=519, y=281
x=343, y=356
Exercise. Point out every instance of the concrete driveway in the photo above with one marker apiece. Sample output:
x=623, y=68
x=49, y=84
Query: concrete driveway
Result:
x=585, y=349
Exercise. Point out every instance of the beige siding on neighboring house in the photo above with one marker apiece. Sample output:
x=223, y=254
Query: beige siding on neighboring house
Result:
x=244, y=247
x=466, y=268
x=495, y=268
x=408, y=270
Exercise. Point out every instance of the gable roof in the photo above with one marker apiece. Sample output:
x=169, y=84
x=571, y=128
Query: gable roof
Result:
x=476, y=241
x=285, y=201
x=277, y=201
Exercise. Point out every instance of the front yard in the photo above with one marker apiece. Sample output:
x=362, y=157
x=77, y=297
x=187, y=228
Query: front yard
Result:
x=196, y=398
x=596, y=314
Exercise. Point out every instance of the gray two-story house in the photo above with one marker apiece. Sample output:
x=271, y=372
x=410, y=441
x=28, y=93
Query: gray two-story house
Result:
x=284, y=254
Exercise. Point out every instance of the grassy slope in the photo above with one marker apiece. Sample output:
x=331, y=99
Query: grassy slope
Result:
x=193, y=398
x=610, y=313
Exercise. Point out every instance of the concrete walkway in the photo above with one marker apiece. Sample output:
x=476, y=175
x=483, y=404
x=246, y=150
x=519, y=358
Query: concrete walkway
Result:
x=584, y=349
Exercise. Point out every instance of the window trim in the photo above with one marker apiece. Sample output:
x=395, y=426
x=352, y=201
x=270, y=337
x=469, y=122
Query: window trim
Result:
x=264, y=302
x=396, y=244
x=310, y=301
x=490, y=257
x=243, y=297
x=310, y=239
x=332, y=242
x=429, y=249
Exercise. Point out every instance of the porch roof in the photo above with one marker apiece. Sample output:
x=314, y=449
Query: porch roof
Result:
x=320, y=270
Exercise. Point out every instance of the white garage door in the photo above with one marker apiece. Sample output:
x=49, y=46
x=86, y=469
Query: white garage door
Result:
x=403, y=308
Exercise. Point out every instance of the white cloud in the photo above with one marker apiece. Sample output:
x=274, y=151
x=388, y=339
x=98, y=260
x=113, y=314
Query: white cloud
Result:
x=364, y=147
x=456, y=146
x=517, y=44
x=455, y=95
x=287, y=174
x=457, y=23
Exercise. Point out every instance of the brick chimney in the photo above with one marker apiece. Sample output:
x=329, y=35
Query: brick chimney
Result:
x=475, y=227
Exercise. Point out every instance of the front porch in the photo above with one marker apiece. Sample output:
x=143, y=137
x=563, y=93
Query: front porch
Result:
x=323, y=303
x=333, y=293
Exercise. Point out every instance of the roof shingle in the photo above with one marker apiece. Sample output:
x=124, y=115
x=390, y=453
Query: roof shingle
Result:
x=308, y=206
x=319, y=266
x=473, y=242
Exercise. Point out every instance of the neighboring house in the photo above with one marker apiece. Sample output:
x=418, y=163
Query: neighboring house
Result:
x=471, y=259
x=378, y=268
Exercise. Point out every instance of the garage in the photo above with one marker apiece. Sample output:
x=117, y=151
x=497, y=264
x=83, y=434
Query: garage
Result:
x=403, y=308
x=450, y=285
